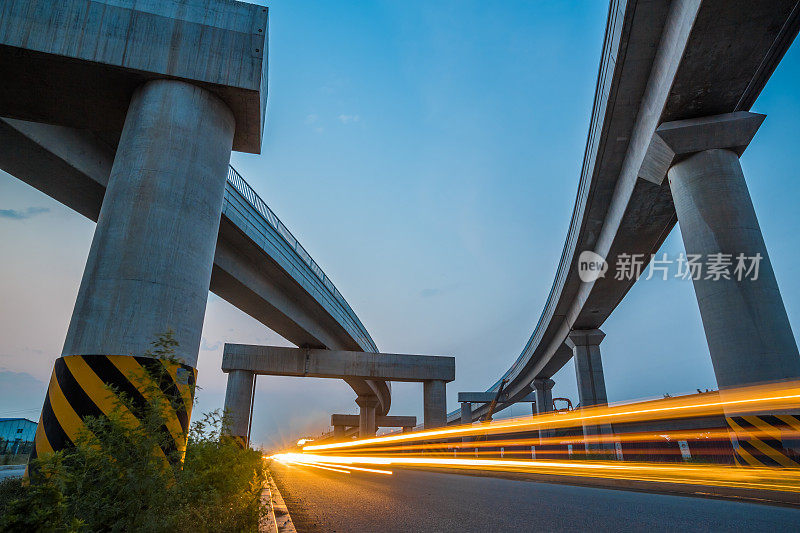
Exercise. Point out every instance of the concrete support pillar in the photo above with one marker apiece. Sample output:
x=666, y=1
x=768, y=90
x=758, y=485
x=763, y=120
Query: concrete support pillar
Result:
x=434, y=404
x=338, y=432
x=238, y=402
x=466, y=413
x=745, y=321
x=408, y=429
x=366, y=416
x=466, y=417
x=747, y=329
x=543, y=388
x=149, y=265
x=585, y=345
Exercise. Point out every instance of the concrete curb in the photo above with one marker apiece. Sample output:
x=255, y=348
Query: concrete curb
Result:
x=278, y=519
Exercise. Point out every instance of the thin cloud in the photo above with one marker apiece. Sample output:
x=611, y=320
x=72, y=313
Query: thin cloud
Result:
x=431, y=292
x=348, y=119
x=16, y=214
x=313, y=121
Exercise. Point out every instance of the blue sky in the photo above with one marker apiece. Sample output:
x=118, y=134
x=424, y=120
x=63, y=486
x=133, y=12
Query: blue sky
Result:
x=427, y=155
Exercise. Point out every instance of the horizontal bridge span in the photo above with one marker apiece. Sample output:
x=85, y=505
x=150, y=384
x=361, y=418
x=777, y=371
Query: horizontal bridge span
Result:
x=352, y=421
x=303, y=362
x=490, y=396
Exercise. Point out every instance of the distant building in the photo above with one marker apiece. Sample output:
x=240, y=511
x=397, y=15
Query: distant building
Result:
x=16, y=435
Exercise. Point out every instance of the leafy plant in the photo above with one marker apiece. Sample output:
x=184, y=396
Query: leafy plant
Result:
x=124, y=473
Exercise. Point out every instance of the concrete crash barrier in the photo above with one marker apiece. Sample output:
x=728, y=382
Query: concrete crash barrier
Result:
x=92, y=385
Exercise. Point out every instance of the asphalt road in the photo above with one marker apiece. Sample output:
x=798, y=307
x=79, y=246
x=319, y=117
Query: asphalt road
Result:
x=428, y=501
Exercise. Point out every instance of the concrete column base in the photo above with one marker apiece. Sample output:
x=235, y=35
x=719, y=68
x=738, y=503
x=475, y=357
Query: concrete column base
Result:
x=366, y=416
x=585, y=345
x=466, y=417
x=149, y=265
x=747, y=329
x=543, y=388
x=434, y=404
x=746, y=325
x=238, y=402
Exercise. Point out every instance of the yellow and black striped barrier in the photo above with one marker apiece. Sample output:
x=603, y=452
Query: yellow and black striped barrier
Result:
x=761, y=440
x=90, y=385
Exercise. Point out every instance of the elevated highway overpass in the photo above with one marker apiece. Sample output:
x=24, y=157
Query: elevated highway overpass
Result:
x=127, y=112
x=259, y=266
x=662, y=62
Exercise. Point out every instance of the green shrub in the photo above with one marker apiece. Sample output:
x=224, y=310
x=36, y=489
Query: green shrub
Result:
x=115, y=478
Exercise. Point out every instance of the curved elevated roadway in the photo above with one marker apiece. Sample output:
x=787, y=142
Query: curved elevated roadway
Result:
x=662, y=61
x=259, y=266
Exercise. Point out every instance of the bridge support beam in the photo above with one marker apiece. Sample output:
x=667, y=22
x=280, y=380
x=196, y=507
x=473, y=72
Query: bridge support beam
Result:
x=354, y=421
x=434, y=404
x=238, y=405
x=747, y=329
x=543, y=388
x=466, y=412
x=149, y=265
x=466, y=417
x=745, y=321
x=585, y=345
x=338, y=432
x=366, y=416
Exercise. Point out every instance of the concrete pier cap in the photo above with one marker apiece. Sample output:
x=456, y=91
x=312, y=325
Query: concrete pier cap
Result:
x=385, y=421
x=87, y=57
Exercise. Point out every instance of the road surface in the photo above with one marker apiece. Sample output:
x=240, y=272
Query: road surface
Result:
x=319, y=500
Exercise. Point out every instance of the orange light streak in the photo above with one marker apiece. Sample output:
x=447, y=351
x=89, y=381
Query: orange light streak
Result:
x=371, y=470
x=314, y=465
x=779, y=397
x=692, y=474
x=665, y=436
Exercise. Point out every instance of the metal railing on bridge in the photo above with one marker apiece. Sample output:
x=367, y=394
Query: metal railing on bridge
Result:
x=246, y=191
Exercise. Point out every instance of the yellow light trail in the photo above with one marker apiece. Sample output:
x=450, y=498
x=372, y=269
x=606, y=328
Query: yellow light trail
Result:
x=371, y=470
x=774, y=479
x=303, y=460
x=709, y=434
x=765, y=398
x=421, y=450
x=313, y=465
